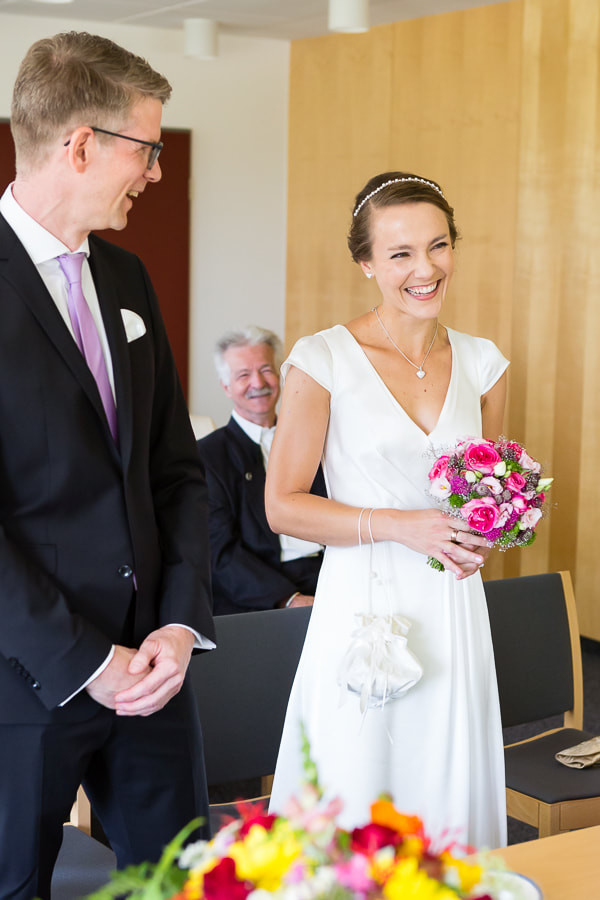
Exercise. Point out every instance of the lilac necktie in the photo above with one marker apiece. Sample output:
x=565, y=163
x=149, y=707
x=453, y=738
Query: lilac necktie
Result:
x=86, y=334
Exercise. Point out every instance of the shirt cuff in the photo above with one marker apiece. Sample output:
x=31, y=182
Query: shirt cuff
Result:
x=95, y=674
x=201, y=642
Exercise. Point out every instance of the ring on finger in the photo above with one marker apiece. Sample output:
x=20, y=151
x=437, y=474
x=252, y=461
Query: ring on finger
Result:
x=454, y=536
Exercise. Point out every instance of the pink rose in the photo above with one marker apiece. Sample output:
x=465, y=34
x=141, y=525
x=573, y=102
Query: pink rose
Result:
x=512, y=445
x=481, y=457
x=526, y=462
x=515, y=482
x=519, y=503
x=482, y=514
x=440, y=468
x=530, y=518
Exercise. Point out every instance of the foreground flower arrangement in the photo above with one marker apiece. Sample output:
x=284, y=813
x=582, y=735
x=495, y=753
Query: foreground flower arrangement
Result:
x=306, y=856
x=495, y=486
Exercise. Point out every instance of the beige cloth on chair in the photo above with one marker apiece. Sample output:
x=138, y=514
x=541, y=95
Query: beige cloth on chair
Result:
x=581, y=756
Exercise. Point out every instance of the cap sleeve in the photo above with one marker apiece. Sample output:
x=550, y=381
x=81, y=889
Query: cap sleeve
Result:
x=492, y=364
x=311, y=355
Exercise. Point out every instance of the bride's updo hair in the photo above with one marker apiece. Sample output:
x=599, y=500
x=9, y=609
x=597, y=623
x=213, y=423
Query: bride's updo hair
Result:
x=388, y=189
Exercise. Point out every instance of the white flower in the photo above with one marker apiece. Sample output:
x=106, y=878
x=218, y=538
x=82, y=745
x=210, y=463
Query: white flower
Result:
x=440, y=488
x=194, y=855
x=500, y=469
x=470, y=476
x=543, y=484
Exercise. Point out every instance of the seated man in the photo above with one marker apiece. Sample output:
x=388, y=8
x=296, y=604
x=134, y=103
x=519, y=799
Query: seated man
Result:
x=252, y=568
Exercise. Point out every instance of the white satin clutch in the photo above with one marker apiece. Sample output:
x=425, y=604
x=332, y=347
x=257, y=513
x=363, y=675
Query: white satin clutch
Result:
x=378, y=664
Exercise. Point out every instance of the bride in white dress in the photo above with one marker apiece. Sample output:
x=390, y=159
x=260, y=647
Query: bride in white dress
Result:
x=373, y=400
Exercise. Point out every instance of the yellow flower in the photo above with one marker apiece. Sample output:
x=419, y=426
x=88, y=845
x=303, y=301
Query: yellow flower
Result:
x=193, y=889
x=408, y=882
x=264, y=857
x=411, y=846
x=468, y=874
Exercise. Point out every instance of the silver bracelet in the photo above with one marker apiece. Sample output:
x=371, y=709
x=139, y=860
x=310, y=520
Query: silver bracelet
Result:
x=360, y=515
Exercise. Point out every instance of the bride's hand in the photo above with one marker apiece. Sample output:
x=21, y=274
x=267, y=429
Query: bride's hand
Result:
x=471, y=568
x=448, y=539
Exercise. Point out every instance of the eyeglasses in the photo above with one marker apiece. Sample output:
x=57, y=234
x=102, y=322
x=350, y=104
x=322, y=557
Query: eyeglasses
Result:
x=155, y=145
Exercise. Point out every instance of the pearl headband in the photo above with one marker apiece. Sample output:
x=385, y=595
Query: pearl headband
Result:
x=395, y=181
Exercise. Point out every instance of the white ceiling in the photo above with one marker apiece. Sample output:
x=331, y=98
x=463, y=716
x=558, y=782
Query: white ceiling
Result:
x=283, y=19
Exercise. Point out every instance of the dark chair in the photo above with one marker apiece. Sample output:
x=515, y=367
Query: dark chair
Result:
x=83, y=865
x=538, y=664
x=242, y=689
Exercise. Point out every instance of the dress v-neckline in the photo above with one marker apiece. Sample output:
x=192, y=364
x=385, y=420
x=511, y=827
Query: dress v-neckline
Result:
x=394, y=399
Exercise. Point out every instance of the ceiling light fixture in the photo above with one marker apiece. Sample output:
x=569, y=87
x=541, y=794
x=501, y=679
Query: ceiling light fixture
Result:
x=349, y=16
x=54, y=1
x=201, y=38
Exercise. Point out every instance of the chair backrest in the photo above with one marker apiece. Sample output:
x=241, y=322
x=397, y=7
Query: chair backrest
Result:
x=242, y=689
x=536, y=648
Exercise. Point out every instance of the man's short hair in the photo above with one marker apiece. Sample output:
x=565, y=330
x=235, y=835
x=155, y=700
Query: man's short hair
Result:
x=73, y=79
x=251, y=336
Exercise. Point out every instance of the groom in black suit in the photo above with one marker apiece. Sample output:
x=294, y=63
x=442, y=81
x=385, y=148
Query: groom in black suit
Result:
x=252, y=568
x=104, y=574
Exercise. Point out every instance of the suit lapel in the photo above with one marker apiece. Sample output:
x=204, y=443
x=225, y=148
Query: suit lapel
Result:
x=18, y=270
x=251, y=464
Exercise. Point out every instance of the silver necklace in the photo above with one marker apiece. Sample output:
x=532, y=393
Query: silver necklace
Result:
x=420, y=370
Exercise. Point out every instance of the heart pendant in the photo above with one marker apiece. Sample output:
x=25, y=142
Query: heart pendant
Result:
x=420, y=373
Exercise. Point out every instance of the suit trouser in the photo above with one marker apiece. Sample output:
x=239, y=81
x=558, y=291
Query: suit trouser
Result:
x=144, y=776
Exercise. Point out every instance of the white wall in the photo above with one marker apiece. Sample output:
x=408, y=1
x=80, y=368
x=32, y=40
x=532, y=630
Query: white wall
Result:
x=236, y=108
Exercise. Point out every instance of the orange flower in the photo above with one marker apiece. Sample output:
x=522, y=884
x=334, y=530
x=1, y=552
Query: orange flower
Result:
x=383, y=812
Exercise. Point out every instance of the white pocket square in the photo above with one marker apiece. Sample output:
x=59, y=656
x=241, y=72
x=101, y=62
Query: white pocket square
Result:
x=134, y=325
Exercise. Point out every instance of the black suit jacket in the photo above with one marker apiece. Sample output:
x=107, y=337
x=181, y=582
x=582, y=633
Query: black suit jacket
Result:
x=247, y=572
x=78, y=515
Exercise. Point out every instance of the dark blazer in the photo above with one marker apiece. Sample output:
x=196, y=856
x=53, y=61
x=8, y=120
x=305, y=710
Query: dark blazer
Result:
x=77, y=515
x=247, y=572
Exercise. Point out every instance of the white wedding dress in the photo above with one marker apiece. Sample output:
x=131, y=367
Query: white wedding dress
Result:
x=438, y=749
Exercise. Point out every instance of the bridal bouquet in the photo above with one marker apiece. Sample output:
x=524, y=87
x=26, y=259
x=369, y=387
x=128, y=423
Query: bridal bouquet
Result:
x=307, y=856
x=496, y=486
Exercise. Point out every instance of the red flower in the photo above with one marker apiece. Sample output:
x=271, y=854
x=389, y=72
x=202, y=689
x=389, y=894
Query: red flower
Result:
x=370, y=838
x=221, y=883
x=266, y=821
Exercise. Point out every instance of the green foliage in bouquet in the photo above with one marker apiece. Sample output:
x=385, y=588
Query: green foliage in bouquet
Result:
x=151, y=881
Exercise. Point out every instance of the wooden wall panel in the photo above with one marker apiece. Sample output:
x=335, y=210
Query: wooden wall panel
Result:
x=339, y=134
x=501, y=105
